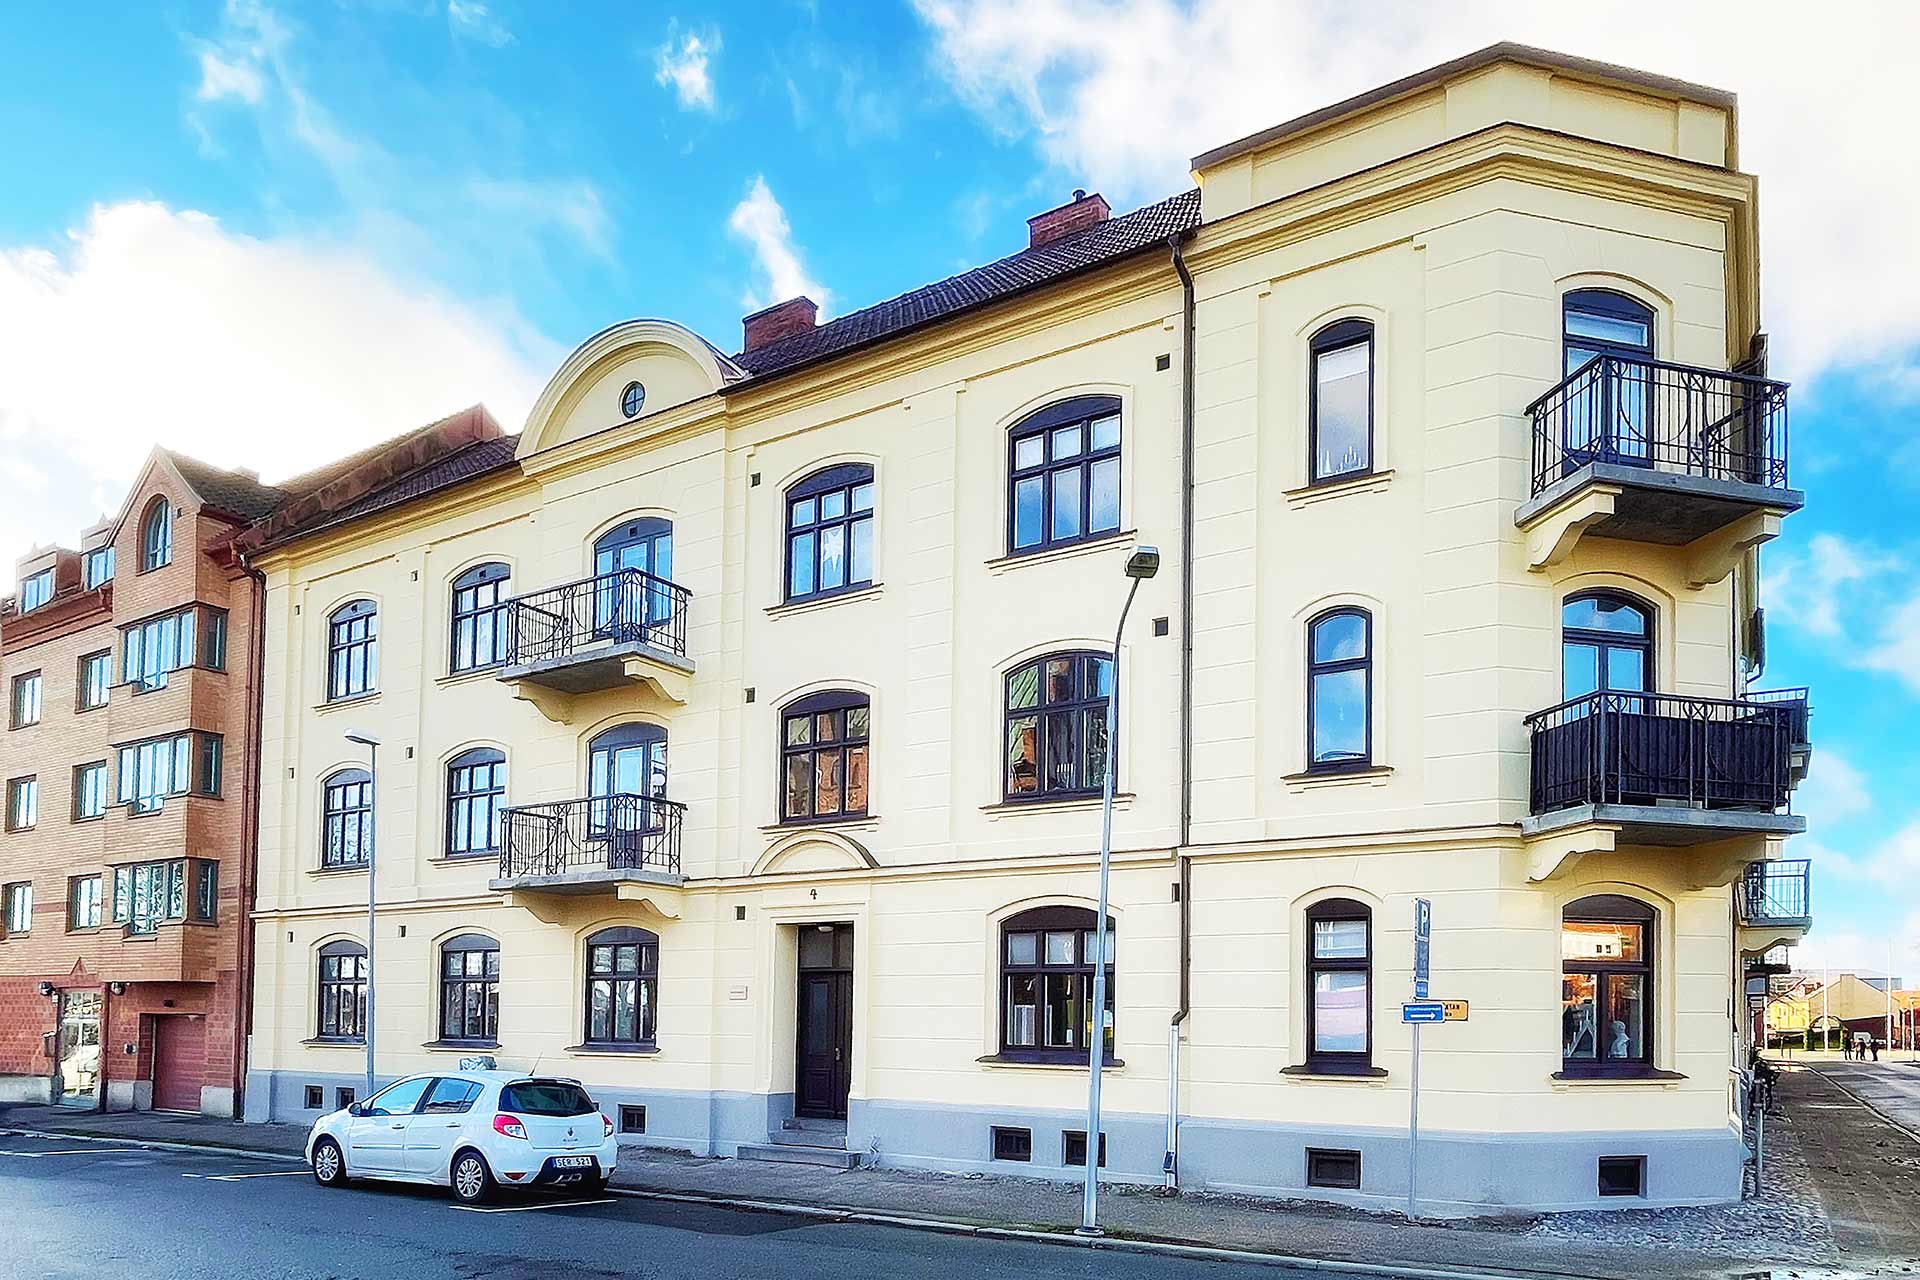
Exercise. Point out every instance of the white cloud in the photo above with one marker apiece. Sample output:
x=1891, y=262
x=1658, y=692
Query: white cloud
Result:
x=1834, y=791
x=160, y=325
x=682, y=63
x=1858, y=951
x=1897, y=649
x=221, y=79
x=761, y=223
x=573, y=205
x=1894, y=862
x=1119, y=94
x=1811, y=590
x=473, y=20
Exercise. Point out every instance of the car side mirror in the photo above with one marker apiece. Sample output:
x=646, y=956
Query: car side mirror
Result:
x=356, y=1109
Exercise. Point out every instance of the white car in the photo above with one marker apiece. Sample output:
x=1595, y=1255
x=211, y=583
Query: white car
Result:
x=472, y=1131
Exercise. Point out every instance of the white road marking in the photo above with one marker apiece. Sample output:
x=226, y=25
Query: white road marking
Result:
x=85, y=1151
x=528, y=1208
x=235, y=1177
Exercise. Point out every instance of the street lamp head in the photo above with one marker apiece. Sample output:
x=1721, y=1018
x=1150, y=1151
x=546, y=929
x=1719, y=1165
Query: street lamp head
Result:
x=1144, y=562
x=362, y=737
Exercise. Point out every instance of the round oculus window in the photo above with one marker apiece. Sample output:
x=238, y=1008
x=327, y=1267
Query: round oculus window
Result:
x=632, y=399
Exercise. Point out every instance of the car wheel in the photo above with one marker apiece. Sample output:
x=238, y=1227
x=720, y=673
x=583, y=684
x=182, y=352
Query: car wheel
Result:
x=472, y=1181
x=594, y=1184
x=329, y=1165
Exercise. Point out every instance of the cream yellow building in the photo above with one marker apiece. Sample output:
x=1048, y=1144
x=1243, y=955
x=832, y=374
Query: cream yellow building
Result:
x=741, y=720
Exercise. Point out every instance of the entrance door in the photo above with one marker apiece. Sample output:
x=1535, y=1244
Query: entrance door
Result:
x=823, y=1066
x=179, y=1061
x=626, y=605
x=77, y=1080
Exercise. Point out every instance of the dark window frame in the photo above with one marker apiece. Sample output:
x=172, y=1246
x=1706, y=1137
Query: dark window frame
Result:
x=16, y=818
x=36, y=591
x=464, y=771
x=1339, y=336
x=1607, y=302
x=1084, y=707
x=156, y=534
x=475, y=594
x=16, y=700
x=1317, y=668
x=75, y=922
x=839, y=703
x=146, y=895
x=343, y=982
x=1605, y=641
x=645, y=977
x=337, y=807
x=843, y=479
x=81, y=772
x=90, y=578
x=1038, y=922
x=1326, y=1167
x=1082, y=411
x=353, y=635
x=1613, y=908
x=85, y=685
x=487, y=981
x=12, y=893
x=1331, y=910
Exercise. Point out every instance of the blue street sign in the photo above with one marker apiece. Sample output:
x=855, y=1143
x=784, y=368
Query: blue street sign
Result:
x=1423, y=1011
x=1422, y=919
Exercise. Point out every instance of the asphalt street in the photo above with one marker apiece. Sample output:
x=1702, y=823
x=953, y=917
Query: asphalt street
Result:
x=71, y=1208
x=1889, y=1087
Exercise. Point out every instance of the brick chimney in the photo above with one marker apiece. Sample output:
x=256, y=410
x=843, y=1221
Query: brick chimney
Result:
x=781, y=320
x=1076, y=215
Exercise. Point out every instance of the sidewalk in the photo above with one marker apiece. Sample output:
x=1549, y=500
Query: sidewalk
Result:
x=1786, y=1227
x=1867, y=1167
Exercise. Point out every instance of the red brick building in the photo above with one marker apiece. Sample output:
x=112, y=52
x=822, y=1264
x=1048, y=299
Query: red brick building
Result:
x=127, y=758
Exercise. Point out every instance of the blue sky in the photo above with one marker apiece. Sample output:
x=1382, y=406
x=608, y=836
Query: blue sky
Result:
x=266, y=234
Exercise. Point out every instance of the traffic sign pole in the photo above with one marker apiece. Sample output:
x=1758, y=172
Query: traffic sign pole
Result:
x=1413, y=1131
x=1422, y=948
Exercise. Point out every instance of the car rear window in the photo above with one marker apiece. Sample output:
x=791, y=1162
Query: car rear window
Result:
x=547, y=1098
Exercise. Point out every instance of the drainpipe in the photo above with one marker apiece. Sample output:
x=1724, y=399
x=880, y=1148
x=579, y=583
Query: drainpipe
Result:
x=250, y=833
x=1171, y=1166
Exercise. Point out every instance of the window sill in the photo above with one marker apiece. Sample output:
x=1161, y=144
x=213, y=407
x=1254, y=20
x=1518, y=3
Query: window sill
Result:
x=465, y=859
x=357, y=869
x=1072, y=550
x=471, y=674
x=334, y=1042
x=1315, y=779
x=859, y=822
x=1073, y=804
x=790, y=607
x=1001, y=1061
x=337, y=704
x=1651, y=1076
x=1342, y=1075
x=1308, y=494
x=613, y=1050
x=459, y=1046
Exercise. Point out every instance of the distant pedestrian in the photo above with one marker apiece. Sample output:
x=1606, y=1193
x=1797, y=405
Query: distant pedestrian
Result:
x=1873, y=1043
x=1846, y=1046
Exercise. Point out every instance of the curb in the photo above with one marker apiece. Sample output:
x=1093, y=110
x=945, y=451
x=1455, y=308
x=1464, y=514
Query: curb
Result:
x=872, y=1217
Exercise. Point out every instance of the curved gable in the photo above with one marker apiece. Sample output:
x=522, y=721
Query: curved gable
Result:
x=673, y=363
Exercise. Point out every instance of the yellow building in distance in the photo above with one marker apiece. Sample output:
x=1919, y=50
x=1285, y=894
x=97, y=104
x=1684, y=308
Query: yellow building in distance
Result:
x=742, y=718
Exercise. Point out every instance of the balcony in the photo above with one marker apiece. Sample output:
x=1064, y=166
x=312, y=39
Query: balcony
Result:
x=1775, y=905
x=1667, y=770
x=1647, y=451
x=621, y=630
x=625, y=847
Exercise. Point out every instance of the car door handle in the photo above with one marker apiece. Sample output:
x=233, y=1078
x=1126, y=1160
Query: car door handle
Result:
x=397, y=1125
x=453, y=1124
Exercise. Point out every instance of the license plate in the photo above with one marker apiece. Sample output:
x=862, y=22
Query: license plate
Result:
x=573, y=1162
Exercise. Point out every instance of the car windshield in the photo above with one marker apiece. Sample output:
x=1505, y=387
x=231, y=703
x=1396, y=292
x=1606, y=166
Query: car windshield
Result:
x=547, y=1098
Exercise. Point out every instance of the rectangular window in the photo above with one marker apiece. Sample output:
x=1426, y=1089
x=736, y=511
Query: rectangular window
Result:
x=90, y=791
x=1015, y=1144
x=26, y=699
x=632, y=1119
x=149, y=894
x=1336, y=1169
x=96, y=567
x=213, y=647
x=36, y=591
x=1342, y=408
x=95, y=678
x=83, y=902
x=343, y=1097
x=206, y=889
x=160, y=767
x=23, y=803
x=19, y=908
x=207, y=781
x=316, y=1097
x=154, y=648
x=1623, y=1176
x=1073, y=1148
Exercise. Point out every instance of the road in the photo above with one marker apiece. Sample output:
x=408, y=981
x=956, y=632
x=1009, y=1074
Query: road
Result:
x=1891, y=1088
x=79, y=1209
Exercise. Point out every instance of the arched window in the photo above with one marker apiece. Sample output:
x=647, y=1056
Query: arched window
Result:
x=1602, y=322
x=1056, y=717
x=823, y=757
x=479, y=618
x=352, y=658
x=623, y=977
x=1340, y=401
x=1606, y=643
x=1608, y=415
x=1339, y=986
x=633, y=563
x=830, y=532
x=626, y=772
x=1606, y=986
x=476, y=793
x=1063, y=477
x=156, y=535
x=346, y=835
x=1340, y=690
x=470, y=989
x=343, y=992
x=1046, y=964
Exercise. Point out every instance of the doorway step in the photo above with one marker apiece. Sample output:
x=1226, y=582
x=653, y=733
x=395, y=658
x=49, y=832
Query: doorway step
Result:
x=805, y=1141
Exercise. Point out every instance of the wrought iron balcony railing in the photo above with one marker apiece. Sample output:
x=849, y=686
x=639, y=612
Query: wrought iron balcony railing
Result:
x=604, y=833
x=1775, y=893
x=1652, y=748
x=626, y=606
x=1662, y=417
x=1798, y=710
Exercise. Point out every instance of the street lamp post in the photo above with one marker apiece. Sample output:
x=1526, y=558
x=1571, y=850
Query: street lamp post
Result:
x=372, y=744
x=1141, y=565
